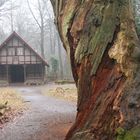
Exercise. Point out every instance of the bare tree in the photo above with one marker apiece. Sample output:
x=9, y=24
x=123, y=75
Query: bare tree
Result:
x=2, y=2
x=54, y=39
x=41, y=22
x=60, y=56
x=51, y=26
x=6, y=12
x=4, y=7
x=11, y=15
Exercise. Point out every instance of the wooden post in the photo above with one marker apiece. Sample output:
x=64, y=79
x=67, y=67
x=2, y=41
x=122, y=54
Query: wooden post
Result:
x=43, y=72
x=7, y=73
x=24, y=73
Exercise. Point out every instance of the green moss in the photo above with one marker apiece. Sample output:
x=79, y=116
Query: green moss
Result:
x=103, y=36
x=120, y=133
x=81, y=48
x=129, y=136
x=100, y=36
x=68, y=14
x=133, y=134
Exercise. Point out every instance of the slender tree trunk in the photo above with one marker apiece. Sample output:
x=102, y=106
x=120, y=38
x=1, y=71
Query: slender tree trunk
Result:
x=60, y=57
x=42, y=37
x=11, y=16
x=100, y=38
x=52, y=39
x=42, y=42
x=40, y=25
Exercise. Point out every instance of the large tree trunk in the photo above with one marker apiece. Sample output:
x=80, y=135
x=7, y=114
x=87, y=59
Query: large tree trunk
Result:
x=100, y=38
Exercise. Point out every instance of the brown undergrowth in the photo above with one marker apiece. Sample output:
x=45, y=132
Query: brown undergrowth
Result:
x=66, y=91
x=11, y=105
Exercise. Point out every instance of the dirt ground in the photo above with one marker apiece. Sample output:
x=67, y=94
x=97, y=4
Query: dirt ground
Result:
x=47, y=118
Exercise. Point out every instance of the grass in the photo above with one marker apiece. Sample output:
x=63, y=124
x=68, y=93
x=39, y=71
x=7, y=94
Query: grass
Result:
x=11, y=96
x=66, y=91
x=14, y=107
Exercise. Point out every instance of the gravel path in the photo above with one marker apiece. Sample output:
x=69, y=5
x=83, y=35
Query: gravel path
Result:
x=47, y=118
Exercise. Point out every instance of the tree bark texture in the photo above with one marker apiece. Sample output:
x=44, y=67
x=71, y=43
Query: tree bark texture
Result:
x=100, y=38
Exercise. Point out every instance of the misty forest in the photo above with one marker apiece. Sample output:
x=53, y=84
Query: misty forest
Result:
x=69, y=70
x=33, y=20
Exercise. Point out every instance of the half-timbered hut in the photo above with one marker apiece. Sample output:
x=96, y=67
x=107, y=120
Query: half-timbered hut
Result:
x=19, y=62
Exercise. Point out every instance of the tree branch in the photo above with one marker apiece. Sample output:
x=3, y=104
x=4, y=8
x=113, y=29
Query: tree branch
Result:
x=33, y=14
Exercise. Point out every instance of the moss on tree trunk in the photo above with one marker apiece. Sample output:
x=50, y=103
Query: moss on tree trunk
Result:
x=103, y=46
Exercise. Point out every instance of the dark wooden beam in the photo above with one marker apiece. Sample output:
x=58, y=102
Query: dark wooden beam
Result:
x=24, y=72
x=42, y=66
x=7, y=73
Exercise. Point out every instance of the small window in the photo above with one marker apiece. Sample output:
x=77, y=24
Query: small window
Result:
x=19, y=51
x=11, y=51
x=27, y=51
x=3, y=52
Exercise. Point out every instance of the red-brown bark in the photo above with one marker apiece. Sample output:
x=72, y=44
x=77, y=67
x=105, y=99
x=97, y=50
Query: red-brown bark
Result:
x=99, y=111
